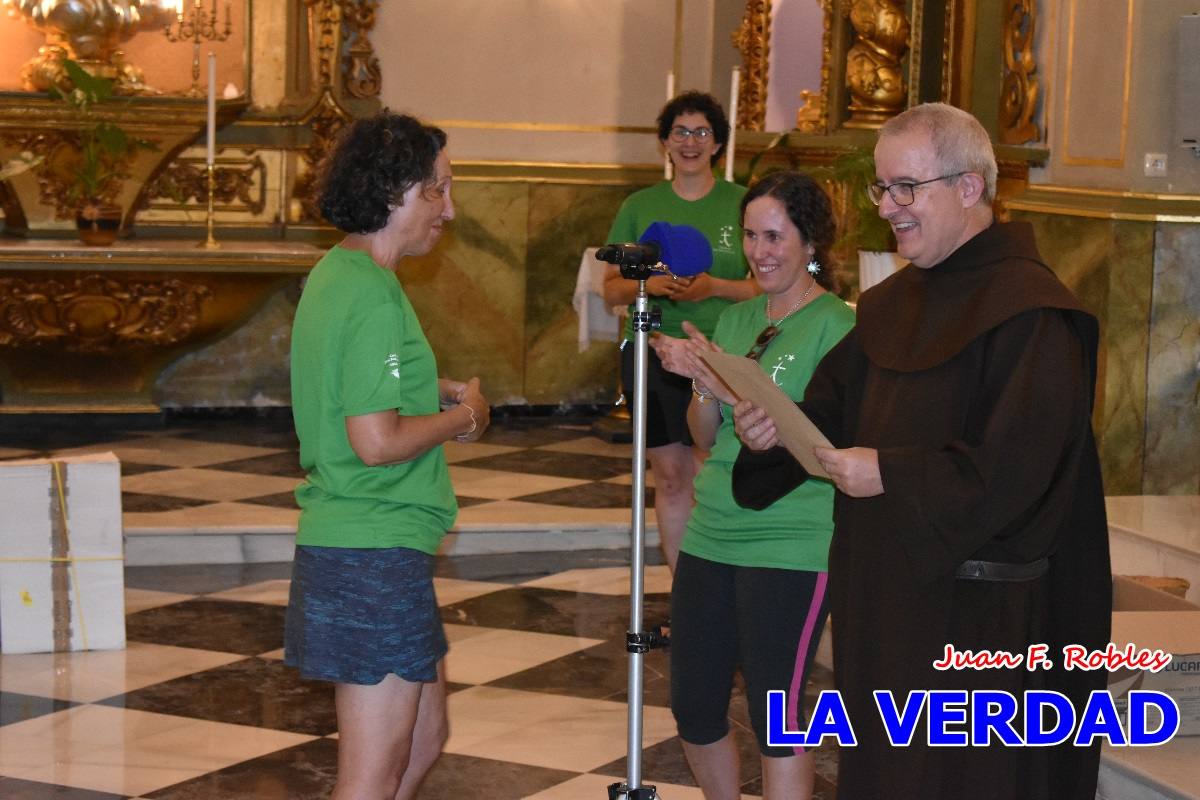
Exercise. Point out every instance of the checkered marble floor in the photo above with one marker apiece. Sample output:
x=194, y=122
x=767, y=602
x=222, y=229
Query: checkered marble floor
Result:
x=219, y=490
x=199, y=705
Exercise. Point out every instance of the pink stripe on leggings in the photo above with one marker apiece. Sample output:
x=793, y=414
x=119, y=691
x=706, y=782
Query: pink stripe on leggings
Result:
x=796, y=695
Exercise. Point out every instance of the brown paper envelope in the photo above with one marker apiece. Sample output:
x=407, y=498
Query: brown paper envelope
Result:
x=746, y=379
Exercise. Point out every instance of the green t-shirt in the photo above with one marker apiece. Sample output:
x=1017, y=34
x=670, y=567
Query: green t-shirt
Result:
x=358, y=348
x=793, y=532
x=717, y=215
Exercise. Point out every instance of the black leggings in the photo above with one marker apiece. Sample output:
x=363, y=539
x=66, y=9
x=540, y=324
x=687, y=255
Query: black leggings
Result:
x=767, y=622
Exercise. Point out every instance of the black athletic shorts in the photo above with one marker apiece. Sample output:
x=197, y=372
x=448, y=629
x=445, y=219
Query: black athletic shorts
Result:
x=667, y=398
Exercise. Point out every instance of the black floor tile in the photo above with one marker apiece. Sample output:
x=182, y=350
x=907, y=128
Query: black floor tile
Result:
x=283, y=465
x=589, y=495
x=153, y=503
x=467, y=502
x=551, y=462
x=598, y=673
x=223, y=625
x=254, y=691
x=129, y=468
x=305, y=772
x=256, y=433
x=531, y=434
x=521, y=567
x=527, y=608
x=204, y=578
x=20, y=707
x=455, y=776
x=17, y=789
x=280, y=500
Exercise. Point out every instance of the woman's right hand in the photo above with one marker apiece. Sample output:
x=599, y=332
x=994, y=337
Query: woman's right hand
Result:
x=480, y=411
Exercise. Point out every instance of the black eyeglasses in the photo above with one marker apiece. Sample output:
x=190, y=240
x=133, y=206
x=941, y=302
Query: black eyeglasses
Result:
x=760, y=344
x=681, y=134
x=902, y=193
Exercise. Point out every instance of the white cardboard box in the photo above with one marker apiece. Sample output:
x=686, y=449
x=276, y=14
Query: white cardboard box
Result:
x=62, y=578
x=1156, y=620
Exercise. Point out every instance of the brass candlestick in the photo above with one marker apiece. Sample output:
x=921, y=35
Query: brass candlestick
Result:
x=196, y=26
x=211, y=243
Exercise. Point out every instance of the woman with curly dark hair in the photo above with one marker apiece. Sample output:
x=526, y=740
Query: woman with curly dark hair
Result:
x=749, y=588
x=377, y=499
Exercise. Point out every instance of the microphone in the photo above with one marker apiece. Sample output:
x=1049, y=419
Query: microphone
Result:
x=683, y=249
x=629, y=255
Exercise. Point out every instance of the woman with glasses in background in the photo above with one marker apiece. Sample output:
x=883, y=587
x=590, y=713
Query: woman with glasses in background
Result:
x=749, y=588
x=693, y=130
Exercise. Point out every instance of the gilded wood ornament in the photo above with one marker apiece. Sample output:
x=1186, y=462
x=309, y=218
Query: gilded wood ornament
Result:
x=96, y=313
x=813, y=114
x=238, y=187
x=59, y=150
x=1019, y=93
x=874, y=74
x=326, y=121
x=753, y=41
x=360, y=70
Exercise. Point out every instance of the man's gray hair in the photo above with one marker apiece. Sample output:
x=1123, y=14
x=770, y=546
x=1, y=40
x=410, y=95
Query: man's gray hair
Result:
x=960, y=142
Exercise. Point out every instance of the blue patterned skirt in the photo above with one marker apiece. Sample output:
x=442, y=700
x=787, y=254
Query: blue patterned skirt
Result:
x=354, y=615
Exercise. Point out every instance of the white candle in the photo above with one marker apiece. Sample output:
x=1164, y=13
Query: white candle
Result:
x=670, y=97
x=734, y=80
x=212, y=109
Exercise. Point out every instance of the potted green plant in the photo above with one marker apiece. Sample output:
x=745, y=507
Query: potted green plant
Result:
x=862, y=227
x=95, y=170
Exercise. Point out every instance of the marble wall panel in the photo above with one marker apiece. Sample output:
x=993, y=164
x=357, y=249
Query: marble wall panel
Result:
x=470, y=291
x=249, y=367
x=563, y=221
x=1109, y=265
x=1173, y=378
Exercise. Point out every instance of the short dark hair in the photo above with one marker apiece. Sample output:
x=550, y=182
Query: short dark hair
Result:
x=701, y=103
x=375, y=161
x=808, y=207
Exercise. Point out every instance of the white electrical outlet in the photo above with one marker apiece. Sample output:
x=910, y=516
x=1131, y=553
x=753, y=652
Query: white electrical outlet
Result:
x=1155, y=165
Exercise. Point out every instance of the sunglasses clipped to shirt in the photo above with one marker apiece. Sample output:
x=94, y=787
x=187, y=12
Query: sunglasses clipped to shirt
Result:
x=764, y=339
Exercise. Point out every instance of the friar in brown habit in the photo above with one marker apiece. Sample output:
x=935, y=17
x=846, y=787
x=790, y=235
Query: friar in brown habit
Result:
x=970, y=509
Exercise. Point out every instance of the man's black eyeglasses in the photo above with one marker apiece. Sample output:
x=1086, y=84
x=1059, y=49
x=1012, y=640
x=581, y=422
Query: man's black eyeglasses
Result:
x=902, y=193
x=760, y=344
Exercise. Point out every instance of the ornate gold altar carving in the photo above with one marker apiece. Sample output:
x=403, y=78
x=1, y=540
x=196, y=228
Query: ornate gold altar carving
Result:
x=813, y=114
x=336, y=21
x=45, y=127
x=95, y=313
x=90, y=32
x=753, y=40
x=874, y=73
x=60, y=161
x=243, y=186
x=325, y=121
x=1019, y=94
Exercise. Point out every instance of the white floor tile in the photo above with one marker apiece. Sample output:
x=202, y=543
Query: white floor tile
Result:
x=479, y=655
x=170, y=452
x=492, y=485
x=87, y=677
x=546, y=730
x=207, y=484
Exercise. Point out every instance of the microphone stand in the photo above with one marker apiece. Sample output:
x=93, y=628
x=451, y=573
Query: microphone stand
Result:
x=637, y=641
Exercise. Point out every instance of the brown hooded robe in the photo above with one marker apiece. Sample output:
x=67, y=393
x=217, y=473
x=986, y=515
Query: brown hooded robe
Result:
x=974, y=380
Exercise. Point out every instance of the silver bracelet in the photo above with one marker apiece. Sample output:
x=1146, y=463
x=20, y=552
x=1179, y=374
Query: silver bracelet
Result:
x=474, y=423
x=704, y=394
